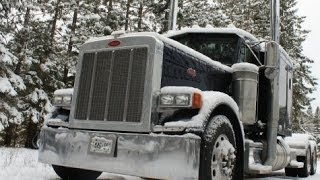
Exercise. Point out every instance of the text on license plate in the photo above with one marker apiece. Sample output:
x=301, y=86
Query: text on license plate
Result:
x=101, y=145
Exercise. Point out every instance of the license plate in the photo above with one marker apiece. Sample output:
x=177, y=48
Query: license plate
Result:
x=102, y=145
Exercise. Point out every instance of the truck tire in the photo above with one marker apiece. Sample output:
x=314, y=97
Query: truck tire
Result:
x=68, y=173
x=313, y=162
x=292, y=172
x=218, y=150
x=305, y=171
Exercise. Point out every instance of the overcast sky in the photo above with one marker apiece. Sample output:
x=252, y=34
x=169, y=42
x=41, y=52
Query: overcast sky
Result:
x=311, y=47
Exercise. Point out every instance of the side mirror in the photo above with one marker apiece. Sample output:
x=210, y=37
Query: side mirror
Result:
x=272, y=54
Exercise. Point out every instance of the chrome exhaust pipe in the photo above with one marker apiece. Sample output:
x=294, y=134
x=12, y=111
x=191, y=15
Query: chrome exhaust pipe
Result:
x=273, y=68
x=172, y=22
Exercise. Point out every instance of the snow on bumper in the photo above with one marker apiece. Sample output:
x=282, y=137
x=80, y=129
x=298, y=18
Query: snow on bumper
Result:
x=144, y=155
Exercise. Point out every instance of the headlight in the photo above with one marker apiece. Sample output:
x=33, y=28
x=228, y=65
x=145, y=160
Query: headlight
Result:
x=62, y=100
x=66, y=99
x=172, y=100
x=166, y=99
x=57, y=99
x=179, y=97
x=183, y=100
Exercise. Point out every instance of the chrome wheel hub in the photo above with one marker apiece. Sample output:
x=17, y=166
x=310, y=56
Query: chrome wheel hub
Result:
x=223, y=159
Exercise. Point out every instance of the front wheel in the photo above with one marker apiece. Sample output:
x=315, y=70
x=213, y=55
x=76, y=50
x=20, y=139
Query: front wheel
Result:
x=218, y=150
x=68, y=173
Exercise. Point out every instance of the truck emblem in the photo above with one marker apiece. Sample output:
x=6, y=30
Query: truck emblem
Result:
x=114, y=43
x=191, y=72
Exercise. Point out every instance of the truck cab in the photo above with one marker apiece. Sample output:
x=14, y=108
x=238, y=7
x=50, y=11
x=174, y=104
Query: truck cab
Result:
x=199, y=103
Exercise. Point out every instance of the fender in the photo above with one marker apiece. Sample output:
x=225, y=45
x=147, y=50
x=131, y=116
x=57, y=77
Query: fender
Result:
x=216, y=103
x=213, y=103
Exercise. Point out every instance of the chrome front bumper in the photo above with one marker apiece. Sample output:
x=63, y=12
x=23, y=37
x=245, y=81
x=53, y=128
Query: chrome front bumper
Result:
x=145, y=155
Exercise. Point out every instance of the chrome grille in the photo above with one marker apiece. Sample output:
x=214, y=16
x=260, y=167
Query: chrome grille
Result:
x=84, y=86
x=111, y=85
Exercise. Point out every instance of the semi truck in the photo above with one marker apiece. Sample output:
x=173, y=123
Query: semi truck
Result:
x=197, y=103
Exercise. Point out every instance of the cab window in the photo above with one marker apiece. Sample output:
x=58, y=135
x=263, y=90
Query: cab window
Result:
x=219, y=47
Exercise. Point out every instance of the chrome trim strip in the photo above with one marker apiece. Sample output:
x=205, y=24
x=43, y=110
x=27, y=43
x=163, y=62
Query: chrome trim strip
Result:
x=125, y=109
x=92, y=84
x=109, y=87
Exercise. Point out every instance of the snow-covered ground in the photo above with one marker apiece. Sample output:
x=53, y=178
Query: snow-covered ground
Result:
x=21, y=164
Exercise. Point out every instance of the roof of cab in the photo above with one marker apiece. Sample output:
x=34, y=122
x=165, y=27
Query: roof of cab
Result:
x=246, y=35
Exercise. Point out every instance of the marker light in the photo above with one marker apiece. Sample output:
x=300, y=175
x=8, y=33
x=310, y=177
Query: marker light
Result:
x=114, y=43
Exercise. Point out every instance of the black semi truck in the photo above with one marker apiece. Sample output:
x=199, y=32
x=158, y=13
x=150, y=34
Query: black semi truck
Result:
x=198, y=103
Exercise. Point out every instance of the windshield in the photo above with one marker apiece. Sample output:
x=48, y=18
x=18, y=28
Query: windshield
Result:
x=219, y=47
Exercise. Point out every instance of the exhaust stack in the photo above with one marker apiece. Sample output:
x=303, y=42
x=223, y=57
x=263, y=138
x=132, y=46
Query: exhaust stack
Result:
x=275, y=20
x=172, y=23
x=272, y=73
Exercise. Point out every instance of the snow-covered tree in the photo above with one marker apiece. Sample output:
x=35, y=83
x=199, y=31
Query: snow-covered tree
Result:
x=292, y=37
x=30, y=44
x=10, y=86
x=202, y=13
x=316, y=122
x=250, y=15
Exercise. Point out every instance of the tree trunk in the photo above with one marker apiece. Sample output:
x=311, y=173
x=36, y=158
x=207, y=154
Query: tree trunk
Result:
x=70, y=44
x=127, y=15
x=54, y=22
x=31, y=131
x=140, y=16
x=24, y=39
x=109, y=11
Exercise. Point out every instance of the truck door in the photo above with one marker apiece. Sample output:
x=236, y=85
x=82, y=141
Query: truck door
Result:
x=285, y=96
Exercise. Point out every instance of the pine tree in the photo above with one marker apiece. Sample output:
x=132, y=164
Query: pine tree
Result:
x=292, y=37
x=31, y=44
x=202, y=13
x=250, y=15
x=307, y=120
x=10, y=83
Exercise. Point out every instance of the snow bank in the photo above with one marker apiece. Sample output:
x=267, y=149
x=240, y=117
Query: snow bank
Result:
x=21, y=163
